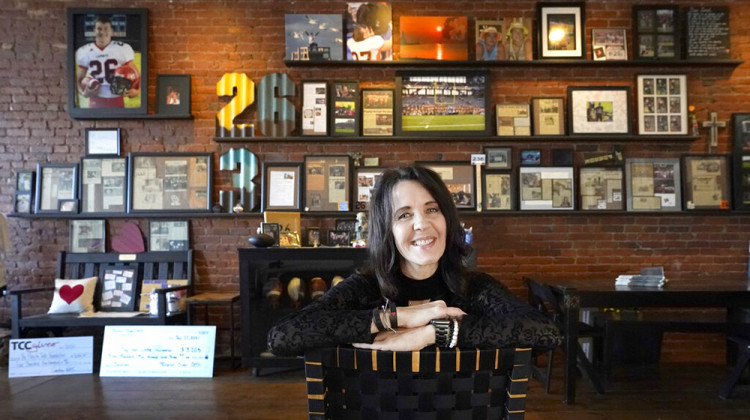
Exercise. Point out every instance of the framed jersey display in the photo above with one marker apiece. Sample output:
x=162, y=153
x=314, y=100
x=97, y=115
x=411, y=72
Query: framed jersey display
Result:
x=107, y=62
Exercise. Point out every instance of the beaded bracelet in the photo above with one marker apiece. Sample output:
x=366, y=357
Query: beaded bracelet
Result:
x=454, y=338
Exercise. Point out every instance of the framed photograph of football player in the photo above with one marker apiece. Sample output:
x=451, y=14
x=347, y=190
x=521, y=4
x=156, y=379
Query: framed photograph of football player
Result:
x=173, y=95
x=107, y=63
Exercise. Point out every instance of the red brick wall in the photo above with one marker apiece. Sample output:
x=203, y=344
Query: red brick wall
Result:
x=207, y=39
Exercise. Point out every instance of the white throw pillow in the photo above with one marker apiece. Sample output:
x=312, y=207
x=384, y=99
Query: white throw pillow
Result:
x=73, y=296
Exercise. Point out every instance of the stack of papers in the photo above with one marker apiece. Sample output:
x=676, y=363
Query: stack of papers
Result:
x=649, y=277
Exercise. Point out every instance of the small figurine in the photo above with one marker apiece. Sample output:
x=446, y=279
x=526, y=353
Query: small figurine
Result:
x=238, y=208
x=361, y=228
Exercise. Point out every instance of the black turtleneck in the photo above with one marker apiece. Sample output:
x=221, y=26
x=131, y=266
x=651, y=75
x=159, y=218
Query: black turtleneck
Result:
x=432, y=288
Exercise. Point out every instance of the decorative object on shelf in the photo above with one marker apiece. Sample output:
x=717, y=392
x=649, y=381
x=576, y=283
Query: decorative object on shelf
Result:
x=369, y=31
x=609, y=44
x=548, y=116
x=289, y=226
x=656, y=32
x=612, y=158
x=339, y=237
x=653, y=184
x=662, y=104
x=460, y=180
x=68, y=206
x=489, y=37
x=377, y=112
x=531, y=157
x=289, y=239
x=706, y=182
x=173, y=95
x=238, y=208
x=327, y=183
x=444, y=103
x=518, y=39
x=694, y=128
x=434, y=37
x=87, y=236
x=561, y=30
x=361, y=229
x=172, y=182
x=601, y=188
x=313, y=37
x=499, y=157
x=107, y=62
x=118, y=288
x=599, y=109
x=366, y=178
x=513, y=119
x=242, y=181
x=129, y=240
x=261, y=240
x=547, y=188
x=741, y=160
x=276, y=114
x=282, y=185
x=102, y=142
x=23, y=197
x=314, y=108
x=707, y=32
x=271, y=230
x=103, y=185
x=345, y=105
x=55, y=181
x=498, y=189
x=713, y=125
x=313, y=236
x=168, y=235
x=241, y=89
x=349, y=225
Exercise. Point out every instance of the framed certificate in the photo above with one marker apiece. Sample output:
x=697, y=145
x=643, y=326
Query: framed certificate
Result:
x=102, y=142
x=706, y=182
x=314, y=108
x=282, y=182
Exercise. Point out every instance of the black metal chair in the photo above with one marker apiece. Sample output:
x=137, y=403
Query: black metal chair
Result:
x=348, y=383
x=742, y=362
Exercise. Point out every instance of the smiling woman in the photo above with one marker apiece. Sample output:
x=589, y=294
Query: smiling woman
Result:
x=416, y=291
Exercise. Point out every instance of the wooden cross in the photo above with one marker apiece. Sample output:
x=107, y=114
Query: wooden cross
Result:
x=714, y=124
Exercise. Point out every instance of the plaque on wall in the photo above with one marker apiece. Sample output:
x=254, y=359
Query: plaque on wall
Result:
x=707, y=32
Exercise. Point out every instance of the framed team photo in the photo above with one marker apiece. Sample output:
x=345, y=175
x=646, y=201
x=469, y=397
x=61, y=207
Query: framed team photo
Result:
x=107, y=62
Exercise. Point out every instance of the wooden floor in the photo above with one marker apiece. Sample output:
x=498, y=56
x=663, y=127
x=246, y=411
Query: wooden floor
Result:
x=668, y=392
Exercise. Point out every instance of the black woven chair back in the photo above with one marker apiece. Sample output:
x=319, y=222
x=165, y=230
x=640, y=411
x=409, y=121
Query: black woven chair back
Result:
x=348, y=383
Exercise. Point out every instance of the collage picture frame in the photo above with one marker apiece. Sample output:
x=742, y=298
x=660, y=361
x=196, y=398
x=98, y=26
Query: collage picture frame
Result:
x=55, y=182
x=460, y=179
x=513, y=119
x=314, y=108
x=548, y=116
x=377, y=112
x=656, y=32
x=498, y=190
x=119, y=288
x=173, y=182
x=23, y=196
x=345, y=115
x=662, y=104
x=653, y=184
x=168, y=235
x=602, y=188
x=87, y=236
x=327, y=183
x=103, y=185
x=546, y=188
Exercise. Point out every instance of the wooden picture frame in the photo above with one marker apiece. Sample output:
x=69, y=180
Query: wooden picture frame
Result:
x=602, y=188
x=561, y=30
x=23, y=195
x=282, y=186
x=706, y=182
x=546, y=188
x=548, y=116
x=110, y=89
x=442, y=104
x=102, y=142
x=55, y=181
x=314, y=111
x=599, y=110
x=119, y=288
x=656, y=32
x=513, y=120
x=498, y=157
x=327, y=183
x=498, y=190
x=173, y=95
x=460, y=178
x=377, y=112
x=662, y=104
x=104, y=185
x=170, y=182
x=609, y=44
x=168, y=235
x=88, y=236
x=365, y=179
x=345, y=115
x=653, y=184
x=741, y=160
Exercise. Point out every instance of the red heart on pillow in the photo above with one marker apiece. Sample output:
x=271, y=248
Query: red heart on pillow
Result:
x=69, y=294
x=130, y=240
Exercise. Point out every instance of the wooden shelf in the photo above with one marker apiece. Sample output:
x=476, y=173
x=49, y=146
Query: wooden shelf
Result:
x=608, y=138
x=529, y=63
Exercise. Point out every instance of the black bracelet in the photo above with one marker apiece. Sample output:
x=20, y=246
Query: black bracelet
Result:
x=392, y=314
x=377, y=320
x=443, y=331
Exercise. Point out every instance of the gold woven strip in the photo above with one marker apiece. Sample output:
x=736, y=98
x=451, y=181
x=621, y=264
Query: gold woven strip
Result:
x=314, y=380
x=497, y=357
x=374, y=360
x=516, y=395
x=437, y=359
x=316, y=413
x=478, y=354
x=313, y=363
x=516, y=412
x=394, y=361
x=315, y=397
x=458, y=359
x=355, y=360
x=338, y=359
x=415, y=361
x=520, y=380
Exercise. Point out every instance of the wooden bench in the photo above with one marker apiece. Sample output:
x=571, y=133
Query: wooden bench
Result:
x=170, y=265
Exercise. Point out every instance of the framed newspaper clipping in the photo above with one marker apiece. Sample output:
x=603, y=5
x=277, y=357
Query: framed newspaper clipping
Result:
x=653, y=184
x=173, y=182
x=706, y=182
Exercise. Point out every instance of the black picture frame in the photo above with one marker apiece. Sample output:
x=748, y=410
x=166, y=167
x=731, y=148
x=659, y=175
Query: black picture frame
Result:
x=103, y=185
x=448, y=115
x=530, y=157
x=55, y=181
x=707, y=32
x=657, y=32
x=282, y=186
x=601, y=188
x=271, y=229
x=88, y=236
x=168, y=235
x=173, y=95
x=741, y=160
x=103, y=142
x=365, y=178
x=377, y=112
x=129, y=33
x=460, y=178
x=599, y=110
x=170, y=182
x=345, y=113
x=662, y=104
x=546, y=188
x=23, y=196
x=548, y=116
x=119, y=288
x=314, y=119
x=499, y=157
x=313, y=236
x=349, y=225
x=706, y=182
x=327, y=183
x=499, y=190
x=565, y=20
x=339, y=238
x=653, y=184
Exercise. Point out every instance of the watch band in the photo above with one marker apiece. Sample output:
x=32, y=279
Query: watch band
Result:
x=443, y=333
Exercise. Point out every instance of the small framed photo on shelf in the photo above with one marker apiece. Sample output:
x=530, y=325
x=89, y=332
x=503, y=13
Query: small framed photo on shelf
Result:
x=55, y=181
x=345, y=115
x=67, y=206
x=599, y=109
x=426, y=43
x=360, y=46
x=561, y=30
x=87, y=236
x=518, y=37
x=282, y=186
x=377, y=112
x=306, y=41
x=104, y=185
x=653, y=184
x=531, y=157
x=24, y=192
x=173, y=95
x=513, y=119
x=662, y=104
x=119, y=288
x=314, y=108
x=706, y=182
x=366, y=178
x=609, y=44
x=741, y=160
x=101, y=142
x=339, y=237
x=656, y=32
x=546, y=188
x=601, y=188
x=168, y=235
x=313, y=236
x=349, y=225
x=174, y=182
x=327, y=183
x=548, y=116
x=499, y=157
x=489, y=37
x=271, y=229
x=459, y=177
x=498, y=188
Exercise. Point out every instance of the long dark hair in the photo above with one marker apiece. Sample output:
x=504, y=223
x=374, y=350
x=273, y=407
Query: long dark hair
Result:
x=384, y=256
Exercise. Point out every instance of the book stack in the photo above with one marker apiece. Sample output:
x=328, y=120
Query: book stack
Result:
x=649, y=277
